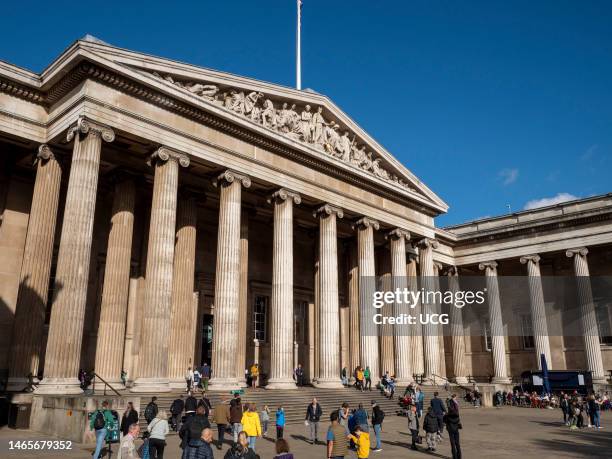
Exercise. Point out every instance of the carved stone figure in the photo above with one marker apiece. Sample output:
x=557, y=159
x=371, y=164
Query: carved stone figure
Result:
x=268, y=115
x=358, y=156
x=379, y=171
x=316, y=127
x=208, y=91
x=344, y=147
x=331, y=137
x=366, y=164
x=305, y=124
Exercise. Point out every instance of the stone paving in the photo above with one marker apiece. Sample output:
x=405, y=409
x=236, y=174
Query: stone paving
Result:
x=487, y=433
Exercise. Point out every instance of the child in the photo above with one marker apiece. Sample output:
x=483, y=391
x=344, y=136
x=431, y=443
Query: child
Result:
x=362, y=442
x=280, y=422
x=430, y=425
x=265, y=418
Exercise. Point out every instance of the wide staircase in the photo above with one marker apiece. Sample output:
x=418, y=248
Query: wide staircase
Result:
x=295, y=401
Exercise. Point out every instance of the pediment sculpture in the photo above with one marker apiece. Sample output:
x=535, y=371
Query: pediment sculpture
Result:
x=304, y=124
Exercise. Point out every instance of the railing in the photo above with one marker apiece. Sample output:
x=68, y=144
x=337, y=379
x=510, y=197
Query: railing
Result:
x=434, y=376
x=106, y=384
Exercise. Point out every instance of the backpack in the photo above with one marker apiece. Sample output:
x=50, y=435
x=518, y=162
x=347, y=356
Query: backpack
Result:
x=99, y=421
x=150, y=411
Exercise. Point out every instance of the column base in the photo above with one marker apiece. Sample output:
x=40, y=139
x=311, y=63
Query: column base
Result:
x=600, y=380
x=461, y=380
x=224, y=384
x=280, y=384
x=151, y=385
x=403, y=381
x=117, y=384
x=59, y=386
x=329, y=384
x=178, y=384
x=500, y=380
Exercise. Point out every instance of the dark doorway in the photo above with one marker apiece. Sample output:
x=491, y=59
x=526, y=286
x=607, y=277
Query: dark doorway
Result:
x=207, y=337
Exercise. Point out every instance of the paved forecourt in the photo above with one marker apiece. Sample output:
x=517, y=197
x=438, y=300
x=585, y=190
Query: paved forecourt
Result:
x=499, y=433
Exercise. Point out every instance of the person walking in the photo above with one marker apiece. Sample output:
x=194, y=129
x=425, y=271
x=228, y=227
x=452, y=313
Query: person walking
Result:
x=203, y=450
x=337, y=438
x=191, y=432
x=151, y=410
x=127, y=448
x=236, y=413
x=313, y=416
x=439, y=410
x=344, y=377
x=205, y=371
x=100, y=421
x=280, y=422
x=367, y=374
x=221, y=416
x=158, y=429
x=251, y=425
x=241, y=450
x=453, y=424
x=265, y=419
x=197, y=379
x=359, y=377
x=254, y=375
x=361, y=418
x=299, y=375
x=413, y=426
x=130, y=416
x=189, y=379
x=564, y=404
x=431, y=427
x=343, y=414
x=282, y=449
x=191, y=404
x=362, y=442
x=419, y=396
x=378, y=416
x=176, y=411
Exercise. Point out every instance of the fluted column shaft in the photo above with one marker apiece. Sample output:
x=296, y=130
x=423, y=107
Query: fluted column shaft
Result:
x=590, y=332
x=416, y=331
x=32, y=298
x=115, y=291
x=401, y=339
x=241, y=363
x=457, y=333
x=498, y=342
x=538, y=309
x=227, y=280
x=329, y=315
x=367, y=284
x=153, y=355
x=431, y=343
x=63, y=353
x=184, y=316
x=281, y=305
x=439, y=327
x=353, y=299
x=385, y=342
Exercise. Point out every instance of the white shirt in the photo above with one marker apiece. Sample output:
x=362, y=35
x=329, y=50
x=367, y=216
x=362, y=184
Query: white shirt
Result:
x=158, y=428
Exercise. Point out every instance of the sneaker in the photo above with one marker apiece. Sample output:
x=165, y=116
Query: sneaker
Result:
x=377, y=450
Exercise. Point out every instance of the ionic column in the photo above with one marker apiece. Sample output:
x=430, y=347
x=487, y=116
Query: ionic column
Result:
x=153, y=355
x=353, y=299
x=401, y=339
x=244, y=297
x=32, y=298
x=590, y=332
x=63, y=353
x=329, y=313
x=385, y=330
x=431, y=343
x=184, y=315
x=439, y=327
x=498, y=342
x=227, y=281
x=416, y=331
x=368, y=345
x=456, y=325
x=115, y=290
x=281, y=304
x=538, y=309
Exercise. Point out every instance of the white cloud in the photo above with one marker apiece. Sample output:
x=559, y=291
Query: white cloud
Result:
x=508, y=176
x=589, y=153
x=558, y=199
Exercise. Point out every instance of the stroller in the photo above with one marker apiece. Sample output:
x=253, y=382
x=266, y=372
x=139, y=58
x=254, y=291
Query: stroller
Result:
x=404, y=405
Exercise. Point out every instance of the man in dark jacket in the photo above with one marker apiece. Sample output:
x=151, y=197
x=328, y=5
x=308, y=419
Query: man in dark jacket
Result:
x=439, y=410
x=129, y=417
x=377, y=419
x=453, y=424
x=151, y=410
x=236, y=415
x=191, y=431
x=176, y=410
x=313, y=416
x=430, y=425
x=191, y=404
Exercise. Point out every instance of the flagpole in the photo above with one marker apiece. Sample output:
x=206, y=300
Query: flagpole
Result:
x=298, y=63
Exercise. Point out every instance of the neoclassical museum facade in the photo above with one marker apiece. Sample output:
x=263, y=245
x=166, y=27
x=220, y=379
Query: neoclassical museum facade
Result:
x=157, y=215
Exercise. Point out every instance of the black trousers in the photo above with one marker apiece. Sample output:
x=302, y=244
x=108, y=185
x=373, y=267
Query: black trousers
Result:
x=441, y=424
x=415, y=437
x=221, y=428
x=157, y=447
x=454, y=441
x=368, y=384
x=279, y=432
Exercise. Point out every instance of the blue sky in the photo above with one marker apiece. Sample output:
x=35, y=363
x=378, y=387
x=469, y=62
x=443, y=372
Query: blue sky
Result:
x=489, y=103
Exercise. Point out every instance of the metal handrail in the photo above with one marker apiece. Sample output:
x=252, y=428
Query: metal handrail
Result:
x=448, y=381
x=105, y=384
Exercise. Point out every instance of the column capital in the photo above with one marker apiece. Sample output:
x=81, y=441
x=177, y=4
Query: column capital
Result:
x=535, y=259
x=165, y=154
x=229, y=176
x=43, y=154
x=438, y=266
x=452, y=271
x=282, y=194
x=398, y=233
x=582, y=251
x=83, y=127
x=327, y=210
x=366, y=222
x=426, y=243
x=488, y=265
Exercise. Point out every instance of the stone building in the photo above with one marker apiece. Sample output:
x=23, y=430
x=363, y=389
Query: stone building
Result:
x=157, y=215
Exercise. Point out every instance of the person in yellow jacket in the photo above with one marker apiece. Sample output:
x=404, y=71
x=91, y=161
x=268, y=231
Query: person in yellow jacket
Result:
x=359, y=376
x=251, y=425
x=254, y=375
x=362, y=441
